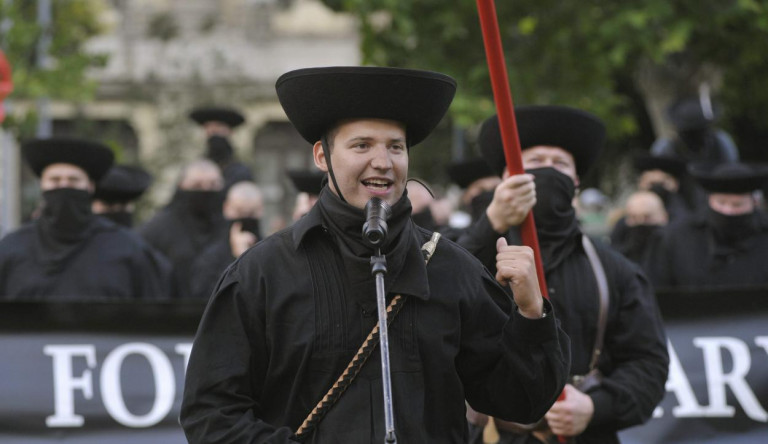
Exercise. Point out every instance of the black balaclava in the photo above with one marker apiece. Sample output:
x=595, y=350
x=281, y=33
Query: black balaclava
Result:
x=66, y=214
x=661, y=191
x=249, y=224
x=731, y=230
x=63, y=227
x=554, y=215
x=480, y=203
x=201, y=205
x=219, y=149
x=636, y=240
x=424, y=219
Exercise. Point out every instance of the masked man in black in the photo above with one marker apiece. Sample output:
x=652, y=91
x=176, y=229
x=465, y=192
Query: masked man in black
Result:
x=697, y=138
x=645, y=220
x=478, y=181
x=190, y=223
x=289, y=315
x=726, y=246
x=559, y=145
x=242, y=209
x=68, y=253
x=218, y=124
x=116, y=192
x=308, y=184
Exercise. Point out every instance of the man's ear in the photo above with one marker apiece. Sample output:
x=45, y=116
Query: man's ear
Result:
x=319, y=155
x=576, y=181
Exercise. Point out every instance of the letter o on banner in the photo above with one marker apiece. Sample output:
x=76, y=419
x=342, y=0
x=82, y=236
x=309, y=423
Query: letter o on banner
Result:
x=112, y=392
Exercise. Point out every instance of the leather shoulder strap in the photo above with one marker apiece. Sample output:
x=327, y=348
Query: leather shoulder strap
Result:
x=602, y=289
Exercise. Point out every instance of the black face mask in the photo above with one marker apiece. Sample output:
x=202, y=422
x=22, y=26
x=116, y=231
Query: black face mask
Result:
x=67, y=213
x=694, y=139
x=660, y=191
x=219, y=149
x=636, y=239
x=122, y=218
x=732, y=229
x=424, y=219
x=554, y=215
x=201, y=204
x=480, y=203
x=554, y=198
x=249, y=224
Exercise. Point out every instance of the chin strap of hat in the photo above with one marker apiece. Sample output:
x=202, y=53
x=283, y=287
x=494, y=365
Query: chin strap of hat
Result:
x=327, y=152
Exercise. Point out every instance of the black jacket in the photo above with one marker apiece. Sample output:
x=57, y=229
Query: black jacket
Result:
x=282, y=326
x=634, y=358
x=112, y=263
x=691, y=256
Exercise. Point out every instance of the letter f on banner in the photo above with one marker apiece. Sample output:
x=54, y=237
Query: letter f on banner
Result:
x=65, y=383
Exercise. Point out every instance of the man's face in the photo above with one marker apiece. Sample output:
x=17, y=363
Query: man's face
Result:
x=650, y=177
x=553, y=157
x=369, y=159
x=479, y=186
x=202, y=179
x=216, y=128
x=732, y=204
x=65, y=175
x=240, y=206
x=645, y=208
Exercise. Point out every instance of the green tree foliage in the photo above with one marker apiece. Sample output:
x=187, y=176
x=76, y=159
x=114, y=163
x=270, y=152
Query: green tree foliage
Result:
x=590, y=54
x=73, y=22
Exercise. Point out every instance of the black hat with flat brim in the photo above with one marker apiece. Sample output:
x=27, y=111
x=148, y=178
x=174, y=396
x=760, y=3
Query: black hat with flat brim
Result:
x=93, y=157
x=465, y=172
x=672, y=165
x=580, y=133
x=122, y=183
x=307, y=181
x=688, y=114
x=317, y=99
x=229, y=116
x=730, y=178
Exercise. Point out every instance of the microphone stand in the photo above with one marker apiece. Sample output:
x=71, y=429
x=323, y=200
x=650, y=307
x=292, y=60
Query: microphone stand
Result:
x=379, y=269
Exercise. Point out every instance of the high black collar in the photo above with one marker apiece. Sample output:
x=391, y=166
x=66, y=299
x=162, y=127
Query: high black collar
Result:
x=407, y=273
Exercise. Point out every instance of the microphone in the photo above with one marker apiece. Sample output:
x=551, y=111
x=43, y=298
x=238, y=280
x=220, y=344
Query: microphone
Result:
x=375, y=228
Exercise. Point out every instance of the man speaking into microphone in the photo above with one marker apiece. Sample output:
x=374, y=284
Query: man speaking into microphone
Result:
x=284, y=327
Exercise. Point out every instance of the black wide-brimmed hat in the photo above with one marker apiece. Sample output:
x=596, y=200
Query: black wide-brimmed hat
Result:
x=730, y=178
x=467, y=171
x=122, y=183
x=229, y=116
x=672, y=165
x=316, y=99
x=580, y=133
x=307, y=181
x=93, y=157
x=687, y=114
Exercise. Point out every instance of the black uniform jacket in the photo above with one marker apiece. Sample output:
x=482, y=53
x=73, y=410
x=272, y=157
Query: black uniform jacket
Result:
x=179, y=236
x=692, y=257
x=112, y=263
x=207, y=268
x=283, y=324
x=634, y=358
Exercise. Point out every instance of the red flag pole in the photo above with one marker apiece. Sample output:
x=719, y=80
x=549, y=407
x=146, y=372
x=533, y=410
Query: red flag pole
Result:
x=502, y=95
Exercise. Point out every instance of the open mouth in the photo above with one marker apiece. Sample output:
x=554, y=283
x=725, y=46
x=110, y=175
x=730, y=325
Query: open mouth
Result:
x=377, y=184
